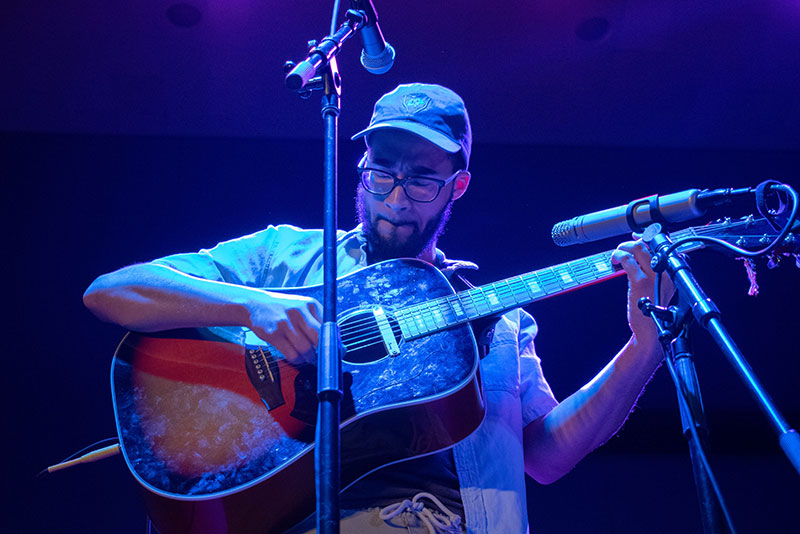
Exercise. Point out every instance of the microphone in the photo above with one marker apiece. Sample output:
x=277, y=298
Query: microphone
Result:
x=377, y=56
x=638, y=214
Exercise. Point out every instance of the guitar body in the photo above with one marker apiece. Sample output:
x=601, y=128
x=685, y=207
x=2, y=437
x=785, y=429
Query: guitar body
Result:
x=219, y=429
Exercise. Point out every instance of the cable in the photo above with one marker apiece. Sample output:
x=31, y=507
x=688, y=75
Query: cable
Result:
x=94, y=445
x=334, y=16
x=740, y=251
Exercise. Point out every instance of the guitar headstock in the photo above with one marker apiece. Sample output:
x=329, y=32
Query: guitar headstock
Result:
x=751, y=233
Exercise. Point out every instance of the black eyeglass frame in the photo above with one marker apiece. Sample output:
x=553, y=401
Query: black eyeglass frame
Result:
x=362, y=170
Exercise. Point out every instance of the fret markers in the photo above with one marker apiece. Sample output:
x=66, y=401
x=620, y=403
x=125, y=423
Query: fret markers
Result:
x=445, y=312
x=602, y=267
x=457, y=308
x=534, y=287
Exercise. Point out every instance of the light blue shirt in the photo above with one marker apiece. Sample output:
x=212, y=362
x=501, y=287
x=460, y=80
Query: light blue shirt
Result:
x=490, y=462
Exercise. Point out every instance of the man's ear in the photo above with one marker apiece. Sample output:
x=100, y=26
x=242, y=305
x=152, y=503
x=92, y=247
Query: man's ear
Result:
x=461, y=183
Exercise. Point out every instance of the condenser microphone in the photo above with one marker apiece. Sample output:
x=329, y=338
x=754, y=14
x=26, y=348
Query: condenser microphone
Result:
x=377, y=56
x=638, y=214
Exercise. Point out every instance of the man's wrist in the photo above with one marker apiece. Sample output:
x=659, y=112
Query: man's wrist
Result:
x=647, y=349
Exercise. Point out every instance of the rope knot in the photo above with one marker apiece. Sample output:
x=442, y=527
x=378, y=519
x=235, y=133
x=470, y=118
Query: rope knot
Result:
x=450, y=523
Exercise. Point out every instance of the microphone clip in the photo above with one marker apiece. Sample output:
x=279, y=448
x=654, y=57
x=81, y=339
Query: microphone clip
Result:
x=307, y=75
x=666, y=318
x=654, y=213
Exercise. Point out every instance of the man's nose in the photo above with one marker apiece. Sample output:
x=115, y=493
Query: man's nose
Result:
x=397, y=198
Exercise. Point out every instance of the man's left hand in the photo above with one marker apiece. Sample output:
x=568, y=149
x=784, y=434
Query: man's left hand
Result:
x=635, y=259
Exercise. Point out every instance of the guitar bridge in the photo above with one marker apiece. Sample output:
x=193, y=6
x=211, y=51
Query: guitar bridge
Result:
x=387, y=336
x=264, y=374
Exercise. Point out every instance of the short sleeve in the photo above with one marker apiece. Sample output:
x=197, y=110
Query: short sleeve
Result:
x=241, y=261
x=536, y=397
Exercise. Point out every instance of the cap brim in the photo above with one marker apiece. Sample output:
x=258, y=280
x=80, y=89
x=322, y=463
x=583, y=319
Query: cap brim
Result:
x=429, y=134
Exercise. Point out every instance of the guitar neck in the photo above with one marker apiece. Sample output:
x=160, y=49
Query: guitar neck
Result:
x=498, y=297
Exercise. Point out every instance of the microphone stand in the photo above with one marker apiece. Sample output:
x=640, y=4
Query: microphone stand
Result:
x=680, y=363
x=690, y=404
x=304, y=78
x=671, y=324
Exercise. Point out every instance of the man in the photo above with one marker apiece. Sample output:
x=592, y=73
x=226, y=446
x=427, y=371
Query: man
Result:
x=414, y=169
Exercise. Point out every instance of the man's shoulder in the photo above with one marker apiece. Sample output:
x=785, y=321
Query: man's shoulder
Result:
x=285, y=234
x=449, y=266
x=291, y=231
x=290, y=243
x=288, y=231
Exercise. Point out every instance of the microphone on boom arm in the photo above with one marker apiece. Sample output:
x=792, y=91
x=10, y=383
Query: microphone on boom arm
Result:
x=638, y=214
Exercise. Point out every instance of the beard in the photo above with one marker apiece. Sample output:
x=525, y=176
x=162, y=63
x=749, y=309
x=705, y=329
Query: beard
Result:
x=380, y=248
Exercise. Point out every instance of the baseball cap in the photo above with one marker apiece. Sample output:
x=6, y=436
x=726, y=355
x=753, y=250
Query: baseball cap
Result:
x=430, y=111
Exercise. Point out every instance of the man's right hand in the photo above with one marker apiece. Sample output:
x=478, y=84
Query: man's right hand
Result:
x=149, y=297
x=288, y=322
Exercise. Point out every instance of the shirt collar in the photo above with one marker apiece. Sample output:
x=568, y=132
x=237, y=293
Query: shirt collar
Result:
x=356, y=240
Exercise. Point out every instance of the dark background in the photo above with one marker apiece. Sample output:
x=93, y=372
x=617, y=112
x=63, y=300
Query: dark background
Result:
x=128, y=132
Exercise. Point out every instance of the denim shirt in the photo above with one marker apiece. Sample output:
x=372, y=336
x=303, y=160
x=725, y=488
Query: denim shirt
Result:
x=490, y=462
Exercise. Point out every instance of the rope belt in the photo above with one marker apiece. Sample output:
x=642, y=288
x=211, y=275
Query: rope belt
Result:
x=417, y=507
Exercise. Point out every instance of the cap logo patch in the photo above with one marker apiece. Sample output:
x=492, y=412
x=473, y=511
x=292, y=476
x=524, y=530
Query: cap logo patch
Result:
x=416, y=102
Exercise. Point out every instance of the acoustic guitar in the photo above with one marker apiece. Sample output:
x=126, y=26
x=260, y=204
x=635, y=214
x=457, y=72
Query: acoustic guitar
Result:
x=219, y=429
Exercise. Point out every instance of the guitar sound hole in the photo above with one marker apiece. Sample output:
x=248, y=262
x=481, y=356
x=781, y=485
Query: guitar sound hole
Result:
x=362, y=337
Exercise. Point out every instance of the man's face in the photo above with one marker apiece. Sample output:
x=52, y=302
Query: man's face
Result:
x=395, y=225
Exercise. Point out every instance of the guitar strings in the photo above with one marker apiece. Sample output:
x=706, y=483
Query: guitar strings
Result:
x=364, y=332
x=435, y=306
x=366, y=336
x=475, y=299
x=363, y=346
x=472, y=301
x=365, y=329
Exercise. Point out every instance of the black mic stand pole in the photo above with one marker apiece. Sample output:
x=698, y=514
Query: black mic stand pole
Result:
x=303, y=78
x=673, y=333
x=693, y=417
x=329, y=364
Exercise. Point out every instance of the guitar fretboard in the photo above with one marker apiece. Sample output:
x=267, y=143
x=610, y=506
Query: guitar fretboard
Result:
x=437, y=314
x=445, y=312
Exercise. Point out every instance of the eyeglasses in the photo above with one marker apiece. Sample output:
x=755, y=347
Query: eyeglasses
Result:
x=417, y=188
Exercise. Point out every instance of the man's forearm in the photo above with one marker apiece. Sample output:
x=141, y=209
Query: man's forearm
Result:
x=149, y=297
x=590, y=416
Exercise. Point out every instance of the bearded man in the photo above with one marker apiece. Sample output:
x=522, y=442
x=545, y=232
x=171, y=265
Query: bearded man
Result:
x=415, y=167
